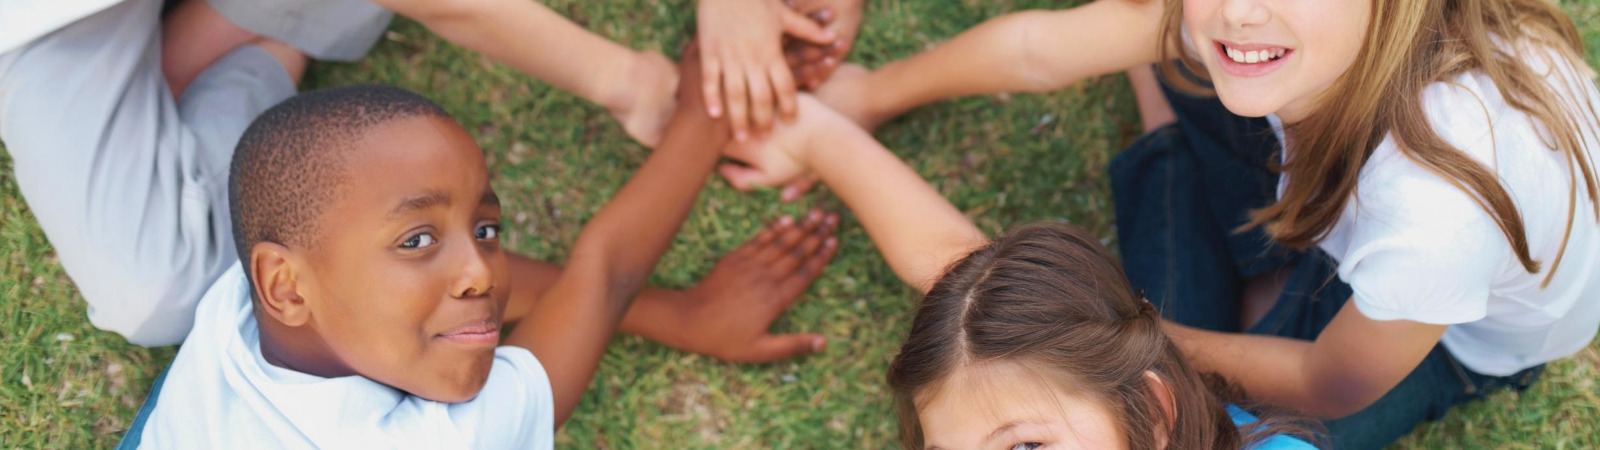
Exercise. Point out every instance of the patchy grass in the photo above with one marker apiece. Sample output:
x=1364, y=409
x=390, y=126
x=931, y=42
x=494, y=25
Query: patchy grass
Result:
x=1005, y=160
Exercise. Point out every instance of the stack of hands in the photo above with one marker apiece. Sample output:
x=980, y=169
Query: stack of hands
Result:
x=755, y=58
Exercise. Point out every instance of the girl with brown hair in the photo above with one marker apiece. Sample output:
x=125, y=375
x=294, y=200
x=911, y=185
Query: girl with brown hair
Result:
x=1034, y=340
x=1388, y=207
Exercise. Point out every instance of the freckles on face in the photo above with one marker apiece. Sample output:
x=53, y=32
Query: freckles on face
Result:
x=411, y=278
x=1006, y=406
x=1275, y=56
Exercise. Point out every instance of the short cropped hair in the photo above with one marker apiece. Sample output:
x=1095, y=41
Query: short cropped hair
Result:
x=290, y=162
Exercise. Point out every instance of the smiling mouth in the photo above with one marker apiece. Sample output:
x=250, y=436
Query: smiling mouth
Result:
x=476, y=333
x=1249, y=60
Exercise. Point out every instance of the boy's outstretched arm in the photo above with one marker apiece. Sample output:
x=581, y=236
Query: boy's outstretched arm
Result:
x=618, y=249
x=728, y=313
x=917, y=230
x=1028, y=51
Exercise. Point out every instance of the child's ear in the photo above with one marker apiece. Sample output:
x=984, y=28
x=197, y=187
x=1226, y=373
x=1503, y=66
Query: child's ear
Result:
x=274, y=269
x=1169, y=406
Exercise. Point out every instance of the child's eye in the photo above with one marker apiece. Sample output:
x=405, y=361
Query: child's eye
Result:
x=1026, y=446
x=422, y=240
x=488, y=232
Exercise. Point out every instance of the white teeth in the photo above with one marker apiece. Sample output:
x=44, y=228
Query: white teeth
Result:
x=1253, y=57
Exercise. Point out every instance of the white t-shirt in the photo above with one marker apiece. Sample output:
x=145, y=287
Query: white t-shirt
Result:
x=22, y=21
x=220, y=393
x=1415, y=247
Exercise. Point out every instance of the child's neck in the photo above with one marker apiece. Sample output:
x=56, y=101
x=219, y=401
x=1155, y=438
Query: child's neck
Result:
x=299, y=349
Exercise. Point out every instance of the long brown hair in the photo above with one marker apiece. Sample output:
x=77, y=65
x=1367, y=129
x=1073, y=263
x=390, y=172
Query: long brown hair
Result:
x=1051, y=298
x=1411, y=44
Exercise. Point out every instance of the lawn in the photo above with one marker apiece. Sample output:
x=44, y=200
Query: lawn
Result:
x=1006, y=160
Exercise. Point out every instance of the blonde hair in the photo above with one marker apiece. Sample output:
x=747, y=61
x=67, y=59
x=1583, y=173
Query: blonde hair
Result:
x=1409, y=45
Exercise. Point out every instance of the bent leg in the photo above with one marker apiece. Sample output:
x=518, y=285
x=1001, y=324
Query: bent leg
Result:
x=129, y=185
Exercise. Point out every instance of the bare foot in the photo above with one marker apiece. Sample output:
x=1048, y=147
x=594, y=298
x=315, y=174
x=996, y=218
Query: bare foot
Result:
x=728, y=312
x=647, y=97
x=846, y=92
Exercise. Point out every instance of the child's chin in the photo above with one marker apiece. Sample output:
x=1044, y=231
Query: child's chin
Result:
x=460, y=390
x=462, y=384
x=1246, y=106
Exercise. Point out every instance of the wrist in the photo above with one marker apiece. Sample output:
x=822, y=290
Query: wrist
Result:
x=879, y=98
x=821, y=138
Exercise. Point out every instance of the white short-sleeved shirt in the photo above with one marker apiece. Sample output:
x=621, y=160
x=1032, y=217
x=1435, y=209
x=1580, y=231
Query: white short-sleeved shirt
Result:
x=220, y=393
x=1415, y=247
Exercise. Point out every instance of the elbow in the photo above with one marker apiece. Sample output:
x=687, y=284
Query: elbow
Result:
x=1334, y=400
x=1033, y=67
x=600, y=264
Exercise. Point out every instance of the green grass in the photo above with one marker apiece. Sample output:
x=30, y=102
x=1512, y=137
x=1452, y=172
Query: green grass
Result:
x=1006, y=160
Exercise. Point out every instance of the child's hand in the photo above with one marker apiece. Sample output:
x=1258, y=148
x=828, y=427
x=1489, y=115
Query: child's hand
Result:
x=778, y=159
x=741, y=42
x=812, y=64
x=728, y=313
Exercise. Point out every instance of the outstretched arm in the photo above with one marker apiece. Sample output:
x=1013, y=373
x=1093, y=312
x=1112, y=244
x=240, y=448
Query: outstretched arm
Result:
x=916, y=229
x=525, y=35
x=727, y=314
x=635, y=87
x=1028, y=51
x=618, y=249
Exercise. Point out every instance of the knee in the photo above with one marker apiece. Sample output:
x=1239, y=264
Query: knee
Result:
x=149, y=314
x=152, y=305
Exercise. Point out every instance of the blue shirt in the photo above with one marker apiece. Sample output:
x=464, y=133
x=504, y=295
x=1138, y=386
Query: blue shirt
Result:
x=1276, y=442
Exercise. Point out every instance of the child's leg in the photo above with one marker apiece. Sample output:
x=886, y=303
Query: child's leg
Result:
x=293, y=62
x=194, y=35
x=130, y=185
x=1179, y=193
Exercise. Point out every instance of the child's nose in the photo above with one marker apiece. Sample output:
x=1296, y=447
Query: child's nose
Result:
x=476, y=278
x=1245, y=13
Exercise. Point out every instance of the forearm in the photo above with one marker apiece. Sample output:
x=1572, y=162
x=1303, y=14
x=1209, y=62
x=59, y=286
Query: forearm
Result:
x=527, y=36
x=916, y=229
x=568, y=328
x=653, y=314
x=636, y=227
x=1353, y=362
x=1028, y=51
x=1268, y=368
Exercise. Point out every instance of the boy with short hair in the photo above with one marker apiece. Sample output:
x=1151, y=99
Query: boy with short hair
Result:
x=367, y=308
x=127, y=173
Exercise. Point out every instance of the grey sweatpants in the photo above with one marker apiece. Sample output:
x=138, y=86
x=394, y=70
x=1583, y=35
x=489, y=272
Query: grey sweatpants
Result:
x=129, y=184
